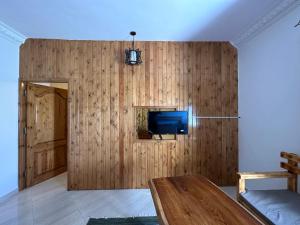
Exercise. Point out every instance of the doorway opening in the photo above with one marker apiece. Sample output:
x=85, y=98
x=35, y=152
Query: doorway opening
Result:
x=43, y=131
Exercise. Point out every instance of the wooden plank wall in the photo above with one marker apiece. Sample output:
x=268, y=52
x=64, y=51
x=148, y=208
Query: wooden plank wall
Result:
x=200, y=77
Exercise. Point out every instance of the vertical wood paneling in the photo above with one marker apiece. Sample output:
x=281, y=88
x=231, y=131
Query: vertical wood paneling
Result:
x=197, y=76
x=22, y=138
x=121, y=115
x=46, y=132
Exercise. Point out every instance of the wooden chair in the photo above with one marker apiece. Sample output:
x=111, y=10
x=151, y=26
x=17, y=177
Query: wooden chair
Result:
x=291, y=174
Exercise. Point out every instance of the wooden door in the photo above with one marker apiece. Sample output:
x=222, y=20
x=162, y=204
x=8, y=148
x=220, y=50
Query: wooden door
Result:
x=46, y=152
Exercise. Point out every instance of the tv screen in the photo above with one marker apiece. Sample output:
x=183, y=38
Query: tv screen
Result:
x=168, y=122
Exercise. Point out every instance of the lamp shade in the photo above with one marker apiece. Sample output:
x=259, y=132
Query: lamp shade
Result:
x=132, y=55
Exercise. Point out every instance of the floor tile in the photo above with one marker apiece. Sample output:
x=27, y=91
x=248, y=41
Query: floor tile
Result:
x=50, y=203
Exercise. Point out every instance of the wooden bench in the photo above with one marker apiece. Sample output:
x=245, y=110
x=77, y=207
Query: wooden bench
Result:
x=194, y=200
x=273, y=206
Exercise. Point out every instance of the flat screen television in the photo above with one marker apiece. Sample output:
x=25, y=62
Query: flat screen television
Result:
x=168, y=122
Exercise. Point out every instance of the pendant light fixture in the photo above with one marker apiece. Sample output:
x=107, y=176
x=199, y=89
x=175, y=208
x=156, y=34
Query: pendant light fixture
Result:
x=133, y=56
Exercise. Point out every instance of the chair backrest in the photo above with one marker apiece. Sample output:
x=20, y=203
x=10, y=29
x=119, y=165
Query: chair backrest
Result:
x=292, y=167
x=292, y=164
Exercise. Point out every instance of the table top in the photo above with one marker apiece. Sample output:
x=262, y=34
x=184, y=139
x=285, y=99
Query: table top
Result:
x=194, y=200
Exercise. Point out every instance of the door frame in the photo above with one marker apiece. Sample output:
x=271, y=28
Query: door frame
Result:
x=22, y=129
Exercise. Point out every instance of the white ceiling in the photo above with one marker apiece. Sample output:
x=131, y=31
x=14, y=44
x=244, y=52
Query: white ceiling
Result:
x=179, y=20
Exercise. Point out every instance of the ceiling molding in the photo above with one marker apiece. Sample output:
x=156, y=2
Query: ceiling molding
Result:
x=10, y=34
x=264, y=22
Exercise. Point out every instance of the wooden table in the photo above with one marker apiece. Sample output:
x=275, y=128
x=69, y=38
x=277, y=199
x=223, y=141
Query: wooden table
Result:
x=194, y=200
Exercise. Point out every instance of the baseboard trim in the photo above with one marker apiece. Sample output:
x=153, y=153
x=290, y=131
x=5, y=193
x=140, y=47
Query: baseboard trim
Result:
x=8, y=195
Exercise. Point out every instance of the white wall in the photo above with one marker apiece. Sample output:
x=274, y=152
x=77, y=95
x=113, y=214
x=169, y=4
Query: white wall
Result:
x=269, y=98
x=9, y=73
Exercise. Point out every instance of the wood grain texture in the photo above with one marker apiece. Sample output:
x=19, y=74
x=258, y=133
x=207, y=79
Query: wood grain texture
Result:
x=200, y=77
x=195, y=200
x=46, y=139
x=291, y=174
x=290, y=156
x=263, y=175
x=294, y=170
x=22, y=136
x=243, y=176
x=292, y=167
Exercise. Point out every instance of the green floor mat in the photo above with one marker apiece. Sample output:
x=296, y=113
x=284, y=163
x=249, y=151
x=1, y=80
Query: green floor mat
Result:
x=149, y=220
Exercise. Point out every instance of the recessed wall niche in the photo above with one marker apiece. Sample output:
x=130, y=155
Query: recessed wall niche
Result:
x=141, y=124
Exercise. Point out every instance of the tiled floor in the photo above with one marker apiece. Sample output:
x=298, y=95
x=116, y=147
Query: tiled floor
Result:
x=50, y=203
